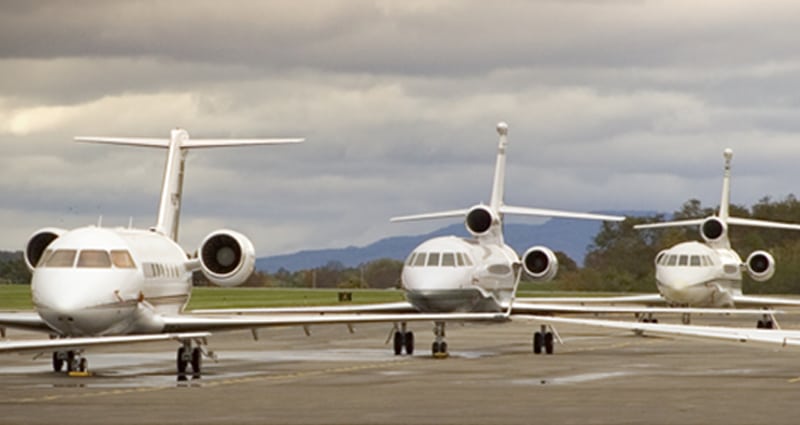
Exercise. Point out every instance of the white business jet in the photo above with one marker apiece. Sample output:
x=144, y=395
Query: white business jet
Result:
x=709, y=274
x=96, y=286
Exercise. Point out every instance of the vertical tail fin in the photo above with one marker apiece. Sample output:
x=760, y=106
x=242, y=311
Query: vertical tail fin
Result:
x=498, y=186
x=178, y=145
x=725, y=201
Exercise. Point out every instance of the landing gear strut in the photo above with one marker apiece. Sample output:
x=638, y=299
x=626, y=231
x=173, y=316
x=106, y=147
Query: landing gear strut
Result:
x=403, y=339
x=543, y=339
x=439, y=348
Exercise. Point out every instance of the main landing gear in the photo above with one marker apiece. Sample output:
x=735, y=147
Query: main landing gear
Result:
x=189, y=356
x=767, y=322
x=543, y=339
x=73, y=360
x=403, y=340
x=439, y=348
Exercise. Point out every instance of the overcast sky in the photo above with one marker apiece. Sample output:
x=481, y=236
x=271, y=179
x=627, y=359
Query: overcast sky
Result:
x=611, y=105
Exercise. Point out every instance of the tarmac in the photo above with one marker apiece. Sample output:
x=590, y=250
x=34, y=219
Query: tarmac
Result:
x=597, y=376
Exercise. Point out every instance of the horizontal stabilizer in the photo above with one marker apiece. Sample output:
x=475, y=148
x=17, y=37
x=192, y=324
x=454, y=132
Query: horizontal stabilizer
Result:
x=539, y=212
x=430, y=216
x=762, y=223
x=128, y=141
x=679, y=223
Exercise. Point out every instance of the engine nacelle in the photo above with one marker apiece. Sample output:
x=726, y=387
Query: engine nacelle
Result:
x=37, y=244
x=480, y=220
x=760, y=266
x=540, y=263
x=713, y=229
x=227, y=258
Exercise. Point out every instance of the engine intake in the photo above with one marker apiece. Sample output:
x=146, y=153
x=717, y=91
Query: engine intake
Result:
x=227, y=258
x=37, y=244
x=540, y=263
x=713, y=229
x=760, y=266
x=479, y=220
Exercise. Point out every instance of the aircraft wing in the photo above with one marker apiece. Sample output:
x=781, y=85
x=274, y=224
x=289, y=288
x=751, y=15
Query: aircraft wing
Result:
x=39, y=345
x=196, y=323
x=774, y=337
x=396, y=307
x=629, y=299
x=745, y=300
x=522, y=308
x=27, y=320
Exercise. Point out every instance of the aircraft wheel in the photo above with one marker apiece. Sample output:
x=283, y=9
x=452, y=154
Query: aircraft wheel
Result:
x=769, y=324
x=182, y=363
x=398, y=343
x=538, y=341
x=197, y=360
x=548, y=343
x=409, y=343
x=760, y=324
x=435, y=349
x=58, y=362
x=83, y=365
x=71, y=361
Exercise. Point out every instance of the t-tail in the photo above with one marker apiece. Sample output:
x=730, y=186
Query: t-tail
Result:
x=178, y=145
x=485, y=221
x=714, y=229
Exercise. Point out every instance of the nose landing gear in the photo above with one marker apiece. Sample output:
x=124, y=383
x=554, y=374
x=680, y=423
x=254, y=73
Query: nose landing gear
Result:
x=76, y=364
x=439, y=348
x=190, y=354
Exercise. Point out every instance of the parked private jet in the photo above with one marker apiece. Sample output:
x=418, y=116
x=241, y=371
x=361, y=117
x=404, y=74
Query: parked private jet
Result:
x=96, y=286
x=709, y=274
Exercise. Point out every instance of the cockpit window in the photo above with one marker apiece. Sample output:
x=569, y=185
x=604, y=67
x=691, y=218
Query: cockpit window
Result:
x=122, y=259
x=448, y=259
x=410, y=260
x=683, y=260
x=45, y=257
x=673, y=260
x=61, y=258
x=694, y=261
x=460, y=259
x=420, y=260
x=433, y=259
x=467, y=260
x=94, y=258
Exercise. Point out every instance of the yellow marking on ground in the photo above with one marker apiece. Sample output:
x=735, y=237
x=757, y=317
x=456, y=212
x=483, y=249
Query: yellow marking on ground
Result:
x=794, y=380
x=209, y=384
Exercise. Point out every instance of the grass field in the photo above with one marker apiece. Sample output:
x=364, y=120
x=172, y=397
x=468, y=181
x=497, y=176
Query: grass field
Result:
x=18, y=297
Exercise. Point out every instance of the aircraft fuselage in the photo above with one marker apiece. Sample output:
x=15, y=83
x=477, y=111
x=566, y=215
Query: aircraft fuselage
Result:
x=697, y=275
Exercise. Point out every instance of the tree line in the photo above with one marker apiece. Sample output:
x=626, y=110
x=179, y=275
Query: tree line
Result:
x=619, y=259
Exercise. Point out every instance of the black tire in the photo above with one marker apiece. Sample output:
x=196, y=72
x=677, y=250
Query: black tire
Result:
x=409, y=343
x=435, y=348
x=83, y=365
x=548, y=343
x=443, y=348
x=653, y=320
x=398, y=343
x=197, y=360
x=769, y=324
x=760, y=324
x=180, y=361
x=538, y=340
x=58, y=362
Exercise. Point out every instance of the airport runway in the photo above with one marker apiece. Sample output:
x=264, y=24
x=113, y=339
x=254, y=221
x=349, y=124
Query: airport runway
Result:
x=334, y=377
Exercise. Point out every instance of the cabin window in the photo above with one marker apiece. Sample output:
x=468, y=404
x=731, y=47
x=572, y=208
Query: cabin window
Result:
x=62, y=258
x=673, y=260
x=683, y=260
x=448, y=259
x=94, y=258
x=122, y=259
x=433, y=259
x=694, y=261
x=420, y=260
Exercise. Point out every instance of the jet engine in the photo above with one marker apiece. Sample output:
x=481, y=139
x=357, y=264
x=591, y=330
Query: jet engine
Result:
x=38, y=242
x=760, y=266
x=479, y=220
x=713, y=229
x=540, y=263
x=227, y=258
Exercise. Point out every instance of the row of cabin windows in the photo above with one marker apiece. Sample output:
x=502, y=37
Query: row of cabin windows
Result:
x=87, y=258
x=437, y=259
x=685, y=260
x=157, y=270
